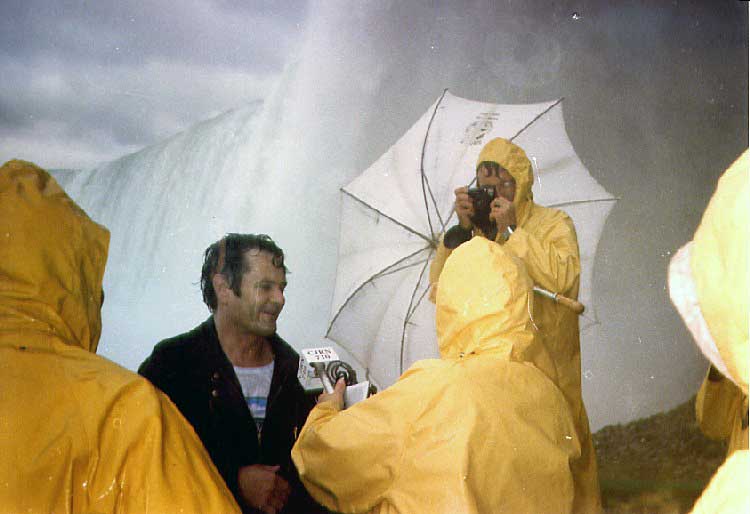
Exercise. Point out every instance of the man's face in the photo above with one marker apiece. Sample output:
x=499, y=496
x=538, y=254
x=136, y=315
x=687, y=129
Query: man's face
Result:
x=261, y=295
x=503, y=182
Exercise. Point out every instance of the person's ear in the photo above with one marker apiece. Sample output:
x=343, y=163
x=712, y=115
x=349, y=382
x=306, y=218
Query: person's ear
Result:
x=221, y=287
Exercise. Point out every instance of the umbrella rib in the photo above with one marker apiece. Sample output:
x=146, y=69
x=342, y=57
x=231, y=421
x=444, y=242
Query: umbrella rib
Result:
x=548, y=109
x=578, y=202
x=421, y=168
x=351, y=354
x=409, y=313
x=381, y=213
x=380, y=273
x=389, y=271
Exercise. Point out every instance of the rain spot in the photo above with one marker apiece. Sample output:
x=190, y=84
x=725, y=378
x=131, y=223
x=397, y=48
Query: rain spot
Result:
x=568, y=437
x=117, y=423
x=588, y=374
x=576, y=16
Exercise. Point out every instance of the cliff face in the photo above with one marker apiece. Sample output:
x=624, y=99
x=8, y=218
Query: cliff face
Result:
x=658, y=464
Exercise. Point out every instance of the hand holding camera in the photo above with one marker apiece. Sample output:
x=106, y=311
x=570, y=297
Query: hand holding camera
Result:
x=464, y=207
x=503, y=213
x=483, y=208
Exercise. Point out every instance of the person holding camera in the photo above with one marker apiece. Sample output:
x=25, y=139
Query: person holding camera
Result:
x=502, y=209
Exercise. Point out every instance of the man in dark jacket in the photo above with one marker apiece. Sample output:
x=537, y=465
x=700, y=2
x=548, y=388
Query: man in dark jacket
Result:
x=235, y=379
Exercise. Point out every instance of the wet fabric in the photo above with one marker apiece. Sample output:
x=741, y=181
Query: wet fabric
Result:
x=480, y=430
x=708, y=283
x=77, y=432
x=721, y=410
x=545, y=240
x=196, y=374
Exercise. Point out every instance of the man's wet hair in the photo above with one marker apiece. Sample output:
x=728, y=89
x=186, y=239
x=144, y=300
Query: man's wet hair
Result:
x=226, y=256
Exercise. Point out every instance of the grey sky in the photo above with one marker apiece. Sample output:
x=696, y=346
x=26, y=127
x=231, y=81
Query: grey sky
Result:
x=89, y=81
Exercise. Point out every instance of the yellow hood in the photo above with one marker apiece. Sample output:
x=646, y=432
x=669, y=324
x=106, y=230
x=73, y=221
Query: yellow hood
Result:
x=52, y=261
x=720, y=268
x=708, y=277
x=483, y=302
x=513, y=159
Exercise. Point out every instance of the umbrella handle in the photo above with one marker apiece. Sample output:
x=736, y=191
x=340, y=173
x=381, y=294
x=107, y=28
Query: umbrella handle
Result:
x=571, y=304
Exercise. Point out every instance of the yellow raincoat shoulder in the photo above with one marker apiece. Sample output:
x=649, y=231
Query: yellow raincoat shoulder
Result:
x=77, y=432
x=480, y=430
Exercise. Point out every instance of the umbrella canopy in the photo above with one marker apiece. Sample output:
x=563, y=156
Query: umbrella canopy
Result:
x=394, y=213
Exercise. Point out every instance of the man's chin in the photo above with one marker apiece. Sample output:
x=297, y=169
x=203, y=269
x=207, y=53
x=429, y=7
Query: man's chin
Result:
x=265, y=329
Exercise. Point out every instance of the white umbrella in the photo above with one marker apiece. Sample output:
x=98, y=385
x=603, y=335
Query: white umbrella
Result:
x=394, y=213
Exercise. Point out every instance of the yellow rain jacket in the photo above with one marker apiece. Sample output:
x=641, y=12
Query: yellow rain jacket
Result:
x=480, y=430
x=77, y=432
x=545, y=240
x=709, y=283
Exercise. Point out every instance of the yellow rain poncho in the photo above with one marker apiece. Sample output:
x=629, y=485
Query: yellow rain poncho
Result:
x=480, y=430
x=545, y=240
x=709, y=283
x=77, y=432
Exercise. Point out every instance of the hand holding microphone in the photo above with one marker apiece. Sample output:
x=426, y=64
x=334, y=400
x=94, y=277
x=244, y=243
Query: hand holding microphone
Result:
x=336, y=395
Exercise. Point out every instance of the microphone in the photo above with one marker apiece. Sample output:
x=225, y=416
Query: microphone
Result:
x=324, y=364
x=312, y=364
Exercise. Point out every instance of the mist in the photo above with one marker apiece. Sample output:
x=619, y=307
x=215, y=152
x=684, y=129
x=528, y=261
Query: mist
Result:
x=656, y=106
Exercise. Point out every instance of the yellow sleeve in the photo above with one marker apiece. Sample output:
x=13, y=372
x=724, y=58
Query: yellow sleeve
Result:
x=716, y=406
x=348, y=460
x=549, y=248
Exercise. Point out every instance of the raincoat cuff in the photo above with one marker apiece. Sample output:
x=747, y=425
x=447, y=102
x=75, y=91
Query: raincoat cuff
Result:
x=514, y=241
x=322, y=410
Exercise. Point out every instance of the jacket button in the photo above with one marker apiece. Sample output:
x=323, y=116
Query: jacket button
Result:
x=214, y=393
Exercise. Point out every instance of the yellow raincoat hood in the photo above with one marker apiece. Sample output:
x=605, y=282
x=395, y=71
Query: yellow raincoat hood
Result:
x=56, y=289
x=79, y=433
x=709, y=277
x=479, y=431
x=720, y=268
x=512, y=158
x=483, y=303
x=708, y=283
